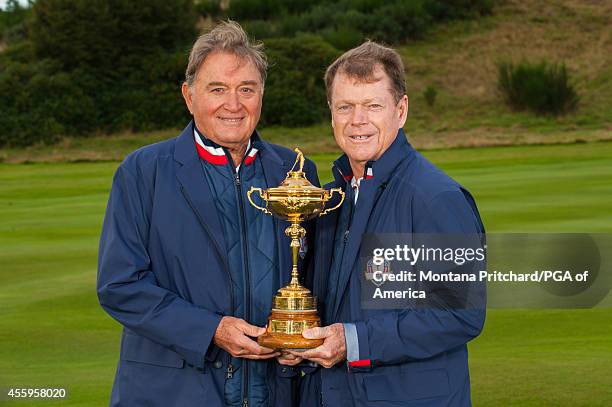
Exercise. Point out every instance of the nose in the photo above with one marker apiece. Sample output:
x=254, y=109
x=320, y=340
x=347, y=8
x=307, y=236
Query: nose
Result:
x=232, y=102
x=360, y=116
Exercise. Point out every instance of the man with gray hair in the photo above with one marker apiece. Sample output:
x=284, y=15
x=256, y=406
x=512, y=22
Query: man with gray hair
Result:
x=186, y=264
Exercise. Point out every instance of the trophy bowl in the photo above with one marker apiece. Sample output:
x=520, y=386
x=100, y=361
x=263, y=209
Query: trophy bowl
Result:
x=295, y=199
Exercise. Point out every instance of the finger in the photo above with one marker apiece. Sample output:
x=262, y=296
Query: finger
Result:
x=325, y=362
x=252, y=347
x=323, y=352
x=286, y=359
x=288, y=362
x=288, y=356
x=251, y=330
x=316, y=332
x=307, y=354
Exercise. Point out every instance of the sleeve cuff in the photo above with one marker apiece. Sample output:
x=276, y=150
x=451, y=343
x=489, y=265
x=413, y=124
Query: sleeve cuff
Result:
x=362, y=362
x=352, y=342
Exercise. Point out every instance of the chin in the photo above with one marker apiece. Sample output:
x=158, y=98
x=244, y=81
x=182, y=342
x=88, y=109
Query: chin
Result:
x=363, y=156
x=232, y=137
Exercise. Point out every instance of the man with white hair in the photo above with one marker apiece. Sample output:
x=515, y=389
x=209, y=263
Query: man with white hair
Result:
x=182, y=265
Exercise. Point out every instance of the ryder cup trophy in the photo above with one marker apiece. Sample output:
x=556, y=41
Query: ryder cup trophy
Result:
x=294, y=308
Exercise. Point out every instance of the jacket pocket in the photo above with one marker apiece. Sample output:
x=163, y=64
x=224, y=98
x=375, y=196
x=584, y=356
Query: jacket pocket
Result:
x=136, y=348
x=402, y=386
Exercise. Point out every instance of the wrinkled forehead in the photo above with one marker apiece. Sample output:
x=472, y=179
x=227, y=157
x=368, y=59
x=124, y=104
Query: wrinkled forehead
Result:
x=223, y=65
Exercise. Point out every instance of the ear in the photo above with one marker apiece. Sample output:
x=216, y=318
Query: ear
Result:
x=402, y=110
x=331, y=113
x=187, y=96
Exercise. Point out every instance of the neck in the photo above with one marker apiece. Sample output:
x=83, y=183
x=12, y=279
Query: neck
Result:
x=358, y=168
x=237, y=152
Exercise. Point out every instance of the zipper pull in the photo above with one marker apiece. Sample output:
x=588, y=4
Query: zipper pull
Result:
x=237, y=178
x=346, y=236
x=245, y=402
x=230, y=371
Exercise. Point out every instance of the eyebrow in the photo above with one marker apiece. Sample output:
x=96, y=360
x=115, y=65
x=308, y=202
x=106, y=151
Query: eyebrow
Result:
x=354, y=102
x=225, y=84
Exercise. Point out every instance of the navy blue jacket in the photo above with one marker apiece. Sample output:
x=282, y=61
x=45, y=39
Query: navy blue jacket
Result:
x=163, y=274
x=407, y=357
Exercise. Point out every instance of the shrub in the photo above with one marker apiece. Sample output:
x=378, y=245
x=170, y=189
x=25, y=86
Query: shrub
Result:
x=99, y=34
x=389, y=21
x=343, y=37
x=47, y=103
x=207, y=8
x=295, y=92
x=259, y=29
x=255, y=9
x=430, y=95
x=541, y=88
x=96, y=65
x=266, y=9
x=401, y=20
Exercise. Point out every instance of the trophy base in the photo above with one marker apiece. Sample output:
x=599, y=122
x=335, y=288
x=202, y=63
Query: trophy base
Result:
x=275, y=340
x=294, y=310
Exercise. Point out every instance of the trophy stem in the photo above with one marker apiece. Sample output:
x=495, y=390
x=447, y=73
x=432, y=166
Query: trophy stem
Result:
x=294, y=270
x=295, y=232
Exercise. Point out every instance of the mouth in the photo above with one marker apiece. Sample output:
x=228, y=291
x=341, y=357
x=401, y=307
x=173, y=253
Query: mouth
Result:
x=231, y=120
x=361, y=137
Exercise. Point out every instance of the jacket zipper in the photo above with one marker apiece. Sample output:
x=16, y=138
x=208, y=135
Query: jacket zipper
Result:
x=352, y=204
x=247, y=282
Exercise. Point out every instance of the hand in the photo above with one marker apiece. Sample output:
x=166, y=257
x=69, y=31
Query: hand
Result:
x=333, y=349
x=288, y=359
x=232, y=334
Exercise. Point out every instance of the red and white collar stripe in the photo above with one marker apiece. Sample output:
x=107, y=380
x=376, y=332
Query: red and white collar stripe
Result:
x=216, y=155
x=250, y=156
x=368, y=175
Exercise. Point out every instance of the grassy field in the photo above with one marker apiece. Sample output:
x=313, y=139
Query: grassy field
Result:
x=52, y=331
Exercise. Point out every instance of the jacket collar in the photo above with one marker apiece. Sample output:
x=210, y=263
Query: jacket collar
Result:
x=186, y=150
x=215, y=154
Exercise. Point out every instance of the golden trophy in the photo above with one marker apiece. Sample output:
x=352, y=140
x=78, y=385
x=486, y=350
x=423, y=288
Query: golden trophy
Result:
x=294, y=308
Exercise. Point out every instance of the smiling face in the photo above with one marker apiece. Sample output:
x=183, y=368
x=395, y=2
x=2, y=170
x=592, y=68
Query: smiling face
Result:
x=225, y=99
x=365, y=117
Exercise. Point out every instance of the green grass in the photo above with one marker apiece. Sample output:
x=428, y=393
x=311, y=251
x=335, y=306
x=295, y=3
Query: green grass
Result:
x=53, y=332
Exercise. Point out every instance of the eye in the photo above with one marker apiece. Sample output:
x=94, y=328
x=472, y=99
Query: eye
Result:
x=247, y=91
x=343, y=108
x=217, y=90
x=374, y=106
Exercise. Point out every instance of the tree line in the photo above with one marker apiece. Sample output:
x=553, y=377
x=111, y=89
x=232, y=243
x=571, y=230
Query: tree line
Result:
x=81, y=67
